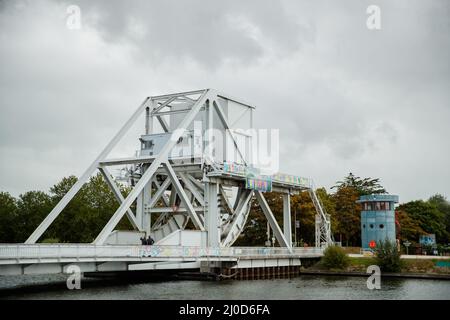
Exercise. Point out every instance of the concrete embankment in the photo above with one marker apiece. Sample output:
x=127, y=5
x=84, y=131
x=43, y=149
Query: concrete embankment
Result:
x=383, y=274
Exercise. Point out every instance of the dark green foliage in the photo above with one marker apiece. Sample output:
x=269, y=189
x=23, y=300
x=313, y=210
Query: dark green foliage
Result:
x=334, y=257
x=407, y=228
x=32, y=208
x=347, y=216
x=302, y=209
x=428, y=217
x=388, y=256
x=362, y=186
x=81, y=220
x=8, y=213
x=443, y=206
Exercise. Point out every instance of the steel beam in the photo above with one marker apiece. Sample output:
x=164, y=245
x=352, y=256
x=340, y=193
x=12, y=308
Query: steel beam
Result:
x=163, y=196
x=129, y=160
x=224, y=120
x=115, y=189
x=162, y=157
x=213, y=215
x=165, y=113
x=164, y=104
x=229, y=207
x=197, y=183
x=179, y=210
x=179, y=94
x=184, y=198
x=287, y=226
x=159, y=193
x=245, y=197
x=163, y=123
x=192, y=188
x=271, y=219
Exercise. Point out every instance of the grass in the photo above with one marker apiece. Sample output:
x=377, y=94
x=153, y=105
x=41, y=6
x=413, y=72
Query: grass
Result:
x=408, y=265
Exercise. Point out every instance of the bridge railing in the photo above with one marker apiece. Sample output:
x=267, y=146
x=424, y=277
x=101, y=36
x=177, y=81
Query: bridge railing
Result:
x=60, y=251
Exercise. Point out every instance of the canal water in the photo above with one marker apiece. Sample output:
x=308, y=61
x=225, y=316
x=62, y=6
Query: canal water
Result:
x=302, y=287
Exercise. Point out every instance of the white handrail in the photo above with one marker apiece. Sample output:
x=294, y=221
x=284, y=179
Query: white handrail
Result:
x=42, y=251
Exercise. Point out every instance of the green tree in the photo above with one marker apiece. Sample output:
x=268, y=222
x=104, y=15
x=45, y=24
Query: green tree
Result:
x=8, y=218
x=255, y=229
x=443, y=206
x=70, y=225
x=388, y=256
x=334, y=257
x=428, y=217
x=304, y=211
x=362, y=186
x=87, y=213
x=32, y=208
x=347, y=216
x=408, y=228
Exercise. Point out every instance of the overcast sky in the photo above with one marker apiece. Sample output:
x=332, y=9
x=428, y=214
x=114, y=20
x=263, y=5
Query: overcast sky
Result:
x=345, y=98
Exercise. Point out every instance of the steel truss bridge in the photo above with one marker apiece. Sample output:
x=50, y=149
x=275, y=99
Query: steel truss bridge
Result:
x=186, y=193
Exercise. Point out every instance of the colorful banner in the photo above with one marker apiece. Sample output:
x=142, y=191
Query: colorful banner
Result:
x=234, y=168
x=261, y=183
x=287, y=178
x=254, y=176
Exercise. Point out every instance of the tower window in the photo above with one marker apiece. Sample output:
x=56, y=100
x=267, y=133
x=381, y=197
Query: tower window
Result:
x=381, y=226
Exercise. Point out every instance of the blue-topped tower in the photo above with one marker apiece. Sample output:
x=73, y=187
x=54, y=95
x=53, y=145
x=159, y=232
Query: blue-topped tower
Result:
x=377, y=218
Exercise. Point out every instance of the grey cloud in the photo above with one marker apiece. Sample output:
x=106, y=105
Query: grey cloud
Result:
x=344, y=98
x=207, y=32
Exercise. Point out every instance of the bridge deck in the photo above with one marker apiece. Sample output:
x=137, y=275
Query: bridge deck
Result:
x=54, y=258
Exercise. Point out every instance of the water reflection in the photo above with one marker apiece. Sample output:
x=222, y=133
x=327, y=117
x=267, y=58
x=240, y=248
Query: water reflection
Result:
x=303, y=287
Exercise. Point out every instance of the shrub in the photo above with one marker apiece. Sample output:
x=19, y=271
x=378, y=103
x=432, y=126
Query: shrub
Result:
x=50, y=240
x=388, y=256
x=334, y=257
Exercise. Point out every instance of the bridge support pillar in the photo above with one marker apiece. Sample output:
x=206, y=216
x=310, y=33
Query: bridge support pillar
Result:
x=143, y=218
x=287, y=226
x=212, y=215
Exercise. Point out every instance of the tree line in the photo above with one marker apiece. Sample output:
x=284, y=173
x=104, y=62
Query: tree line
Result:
x=91, y=208
x=80, y=222
x=413, y=218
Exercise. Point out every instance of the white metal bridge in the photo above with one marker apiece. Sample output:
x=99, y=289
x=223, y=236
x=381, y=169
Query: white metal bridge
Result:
x=35, y=259
x=190, y=192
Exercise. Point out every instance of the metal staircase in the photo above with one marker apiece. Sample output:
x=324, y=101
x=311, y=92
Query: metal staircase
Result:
x=323, y=220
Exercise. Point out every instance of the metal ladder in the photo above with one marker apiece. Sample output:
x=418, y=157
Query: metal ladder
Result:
x=323, y=221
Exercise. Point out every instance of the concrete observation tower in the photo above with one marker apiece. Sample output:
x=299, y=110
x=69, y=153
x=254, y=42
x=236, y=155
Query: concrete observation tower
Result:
x=377, y=219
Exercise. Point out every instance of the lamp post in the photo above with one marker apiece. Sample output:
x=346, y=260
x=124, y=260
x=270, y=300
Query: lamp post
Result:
x=268, y=243
x=406, y=244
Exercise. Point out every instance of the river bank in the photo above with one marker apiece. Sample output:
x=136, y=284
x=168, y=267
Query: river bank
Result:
x=416, y=268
